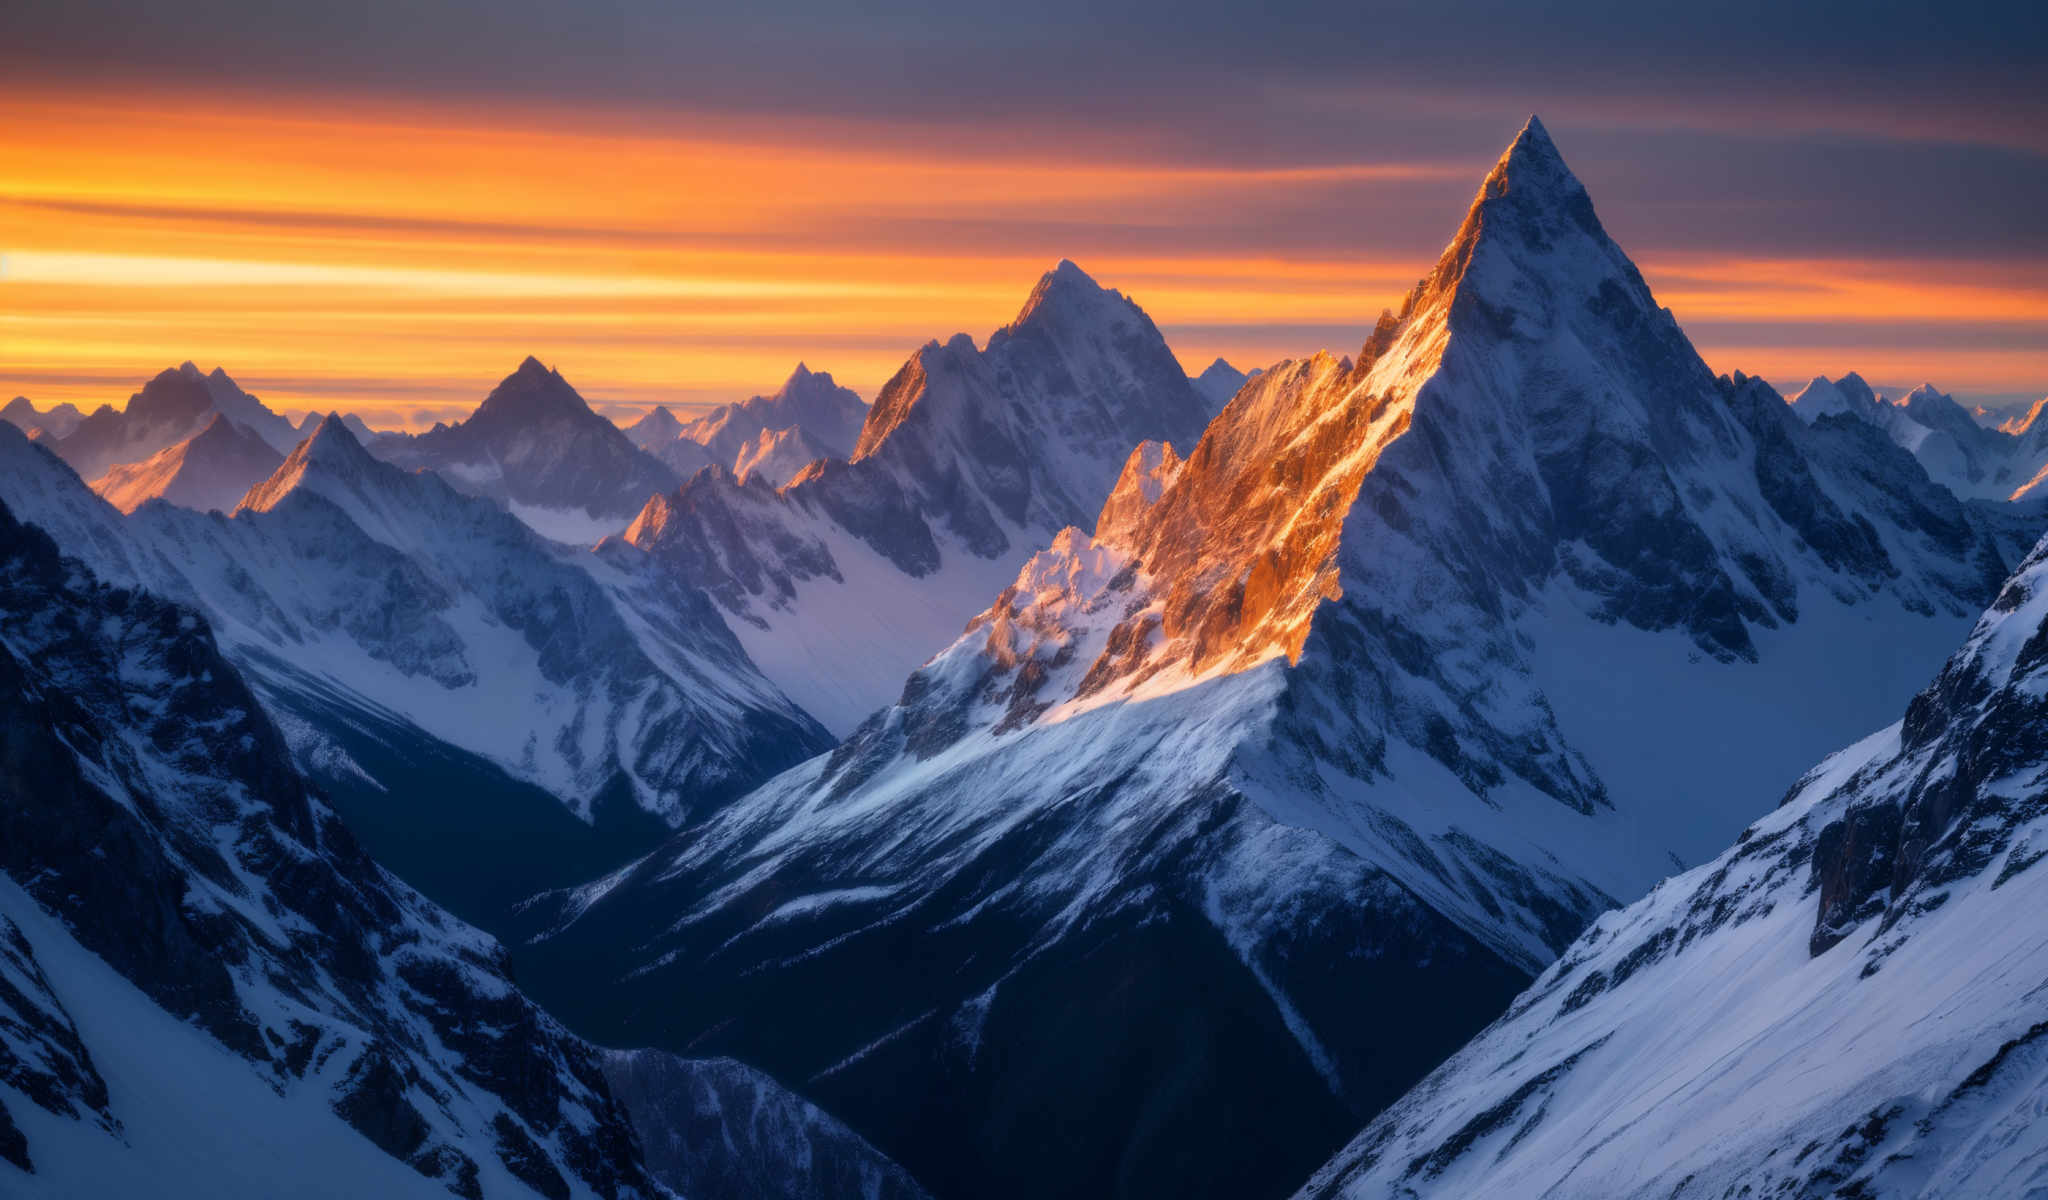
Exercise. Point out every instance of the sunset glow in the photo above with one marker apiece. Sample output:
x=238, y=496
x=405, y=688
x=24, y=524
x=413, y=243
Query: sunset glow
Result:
x=395, y=262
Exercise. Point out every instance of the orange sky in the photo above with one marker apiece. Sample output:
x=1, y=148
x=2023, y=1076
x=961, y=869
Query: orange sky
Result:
x=397, y=263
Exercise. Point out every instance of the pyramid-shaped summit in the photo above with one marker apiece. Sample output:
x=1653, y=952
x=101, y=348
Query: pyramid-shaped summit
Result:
x=330, y=456
x=535, y=445
x=531, y=393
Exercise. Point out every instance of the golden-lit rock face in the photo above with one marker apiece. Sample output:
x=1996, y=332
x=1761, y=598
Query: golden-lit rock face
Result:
x=1247, y=530
x=1249, y=536
x=1245, y=534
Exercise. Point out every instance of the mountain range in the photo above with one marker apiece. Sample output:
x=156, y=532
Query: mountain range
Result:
x=208, y=988
x=1341, y=725
x=1063, y=776
x=769, y=436
x=209, y=471
x=845, y=579
x=61, y=419
x=409, y=636
x=1959, y=452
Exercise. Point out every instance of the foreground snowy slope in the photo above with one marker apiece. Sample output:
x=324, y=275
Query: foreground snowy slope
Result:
x=1849, y=1001
x=207, y=989
x=180, y=913
x=970, y=459
x=1335, y=732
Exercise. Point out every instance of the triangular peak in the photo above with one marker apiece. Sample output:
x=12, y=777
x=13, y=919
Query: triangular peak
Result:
x=1063, y=290
x=534, y=391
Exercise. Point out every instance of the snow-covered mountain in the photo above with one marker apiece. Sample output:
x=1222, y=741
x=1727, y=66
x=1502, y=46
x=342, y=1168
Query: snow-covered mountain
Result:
x=777, y=456
x=207, y=984
x=654, y=430
x=1847, y=1002
x=1219, y=381
x=370, y=604
x=828, y=416
x=971, y=458
x=311, y=421
x=207, y=989
x=535, y=447
x=170, y=408
x=1956, y=449
x=208, y=471
x=58, y=421
x=1330, y=737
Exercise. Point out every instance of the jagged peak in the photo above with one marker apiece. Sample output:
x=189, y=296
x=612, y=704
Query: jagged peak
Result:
x=2029, y=422
x=532, y=392
x=657, y=420
x=1530, y=207
x=173, y=392
x=653, y=520
x=1152, y=467
x=1533, y=167
x=1065, y=289
x=331, y=452
x=333, y=444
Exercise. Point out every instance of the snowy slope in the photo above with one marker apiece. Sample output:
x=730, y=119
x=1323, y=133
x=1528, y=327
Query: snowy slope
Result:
x=774, y=1143
x=208, y=990
x=971, y=458
x=208, y=471
x=1845, y=1002
x=162, y=853
x=1331, y=733
x=344, y=579
x=536, y=447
